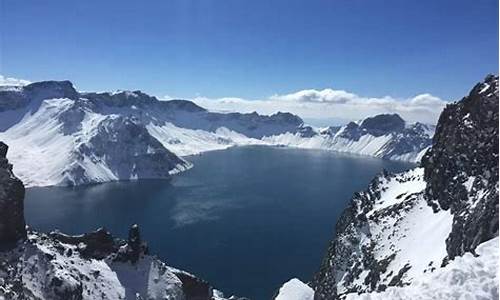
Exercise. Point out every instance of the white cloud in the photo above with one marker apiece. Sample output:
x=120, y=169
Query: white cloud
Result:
x=321, y=96
x=9, y=81
x=329, y=104
x=318, y=107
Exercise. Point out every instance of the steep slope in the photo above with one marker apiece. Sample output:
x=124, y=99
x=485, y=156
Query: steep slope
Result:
x=63, y=142
x=64, y=132
x=90, y=266
x=413, y=234
x=62, y=137
x=461, y=170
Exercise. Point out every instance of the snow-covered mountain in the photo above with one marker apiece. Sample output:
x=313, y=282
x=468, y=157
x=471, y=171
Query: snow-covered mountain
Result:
x=384, y=136
x=90, y=266
x=430, y=232
x=60, y=136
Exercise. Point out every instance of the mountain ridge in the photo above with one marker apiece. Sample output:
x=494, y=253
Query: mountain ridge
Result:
x=62, y=131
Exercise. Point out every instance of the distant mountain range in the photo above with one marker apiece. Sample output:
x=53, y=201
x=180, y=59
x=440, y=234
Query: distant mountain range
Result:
x=60, y=136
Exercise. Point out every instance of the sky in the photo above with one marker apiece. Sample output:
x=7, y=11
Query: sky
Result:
x=311, y=57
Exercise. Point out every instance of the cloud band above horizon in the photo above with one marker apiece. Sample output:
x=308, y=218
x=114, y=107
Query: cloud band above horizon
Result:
x=334, y=106
x=318, y=107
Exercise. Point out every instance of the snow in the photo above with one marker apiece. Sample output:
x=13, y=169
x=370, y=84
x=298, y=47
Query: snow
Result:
x=185, y=142
x=50, y=138
x=39, y=150
x=420, y=240
x=402, y=230
x=44, y=152
x=367, y=145
x=8, y=82
x=396, y=188
x=466, y=277
x=484, y=88
x=295, y=289
x=42, y=261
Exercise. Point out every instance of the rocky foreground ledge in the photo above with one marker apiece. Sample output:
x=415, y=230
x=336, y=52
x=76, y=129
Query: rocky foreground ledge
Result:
x=94, y=265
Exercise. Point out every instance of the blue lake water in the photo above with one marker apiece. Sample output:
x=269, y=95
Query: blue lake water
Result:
x=246, y=219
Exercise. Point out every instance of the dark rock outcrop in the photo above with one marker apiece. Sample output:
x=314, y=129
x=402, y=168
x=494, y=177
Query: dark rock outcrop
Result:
x=330, y=130
x=461, y=169
x=51, y=90
x=194, y=288
x=97, y=244
x=12, y=224
x=121, y=98
x=382, y=124
x=134, y=248
x=19, y=97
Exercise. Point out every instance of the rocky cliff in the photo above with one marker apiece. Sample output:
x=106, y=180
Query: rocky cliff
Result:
x=461, y=169
x=12, y=225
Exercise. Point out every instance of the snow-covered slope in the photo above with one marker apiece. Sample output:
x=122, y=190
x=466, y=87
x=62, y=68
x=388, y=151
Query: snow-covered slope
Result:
x=92, y=266
x=416, y=235
x=466, y=277
x=388, y=236
x=62, y=137
x=295, y=289
x=384, y=136
x=65, y=143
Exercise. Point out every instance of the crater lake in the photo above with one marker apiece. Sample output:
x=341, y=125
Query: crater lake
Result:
x=245, y=219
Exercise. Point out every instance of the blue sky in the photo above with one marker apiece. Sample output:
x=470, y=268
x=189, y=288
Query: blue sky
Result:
x=253, y=49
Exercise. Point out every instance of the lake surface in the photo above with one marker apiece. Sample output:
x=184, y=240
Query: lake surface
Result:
x=246, y=219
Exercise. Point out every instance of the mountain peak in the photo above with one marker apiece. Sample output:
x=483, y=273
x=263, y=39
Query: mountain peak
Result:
x=52, y=89
x=381, y=124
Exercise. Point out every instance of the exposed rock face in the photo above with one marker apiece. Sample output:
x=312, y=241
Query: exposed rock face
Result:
x=462, y=167
x=97, y=244
x=125, y=147
x=330, y=130
x=13, y=98
x=12, y=225
x=414, y=138
x=194, y=288
x=51, y=90
x=121, y=99
x=376, y=126
x=382, y=124
x=411, y=223
x=93, y=266
x=134, y=248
